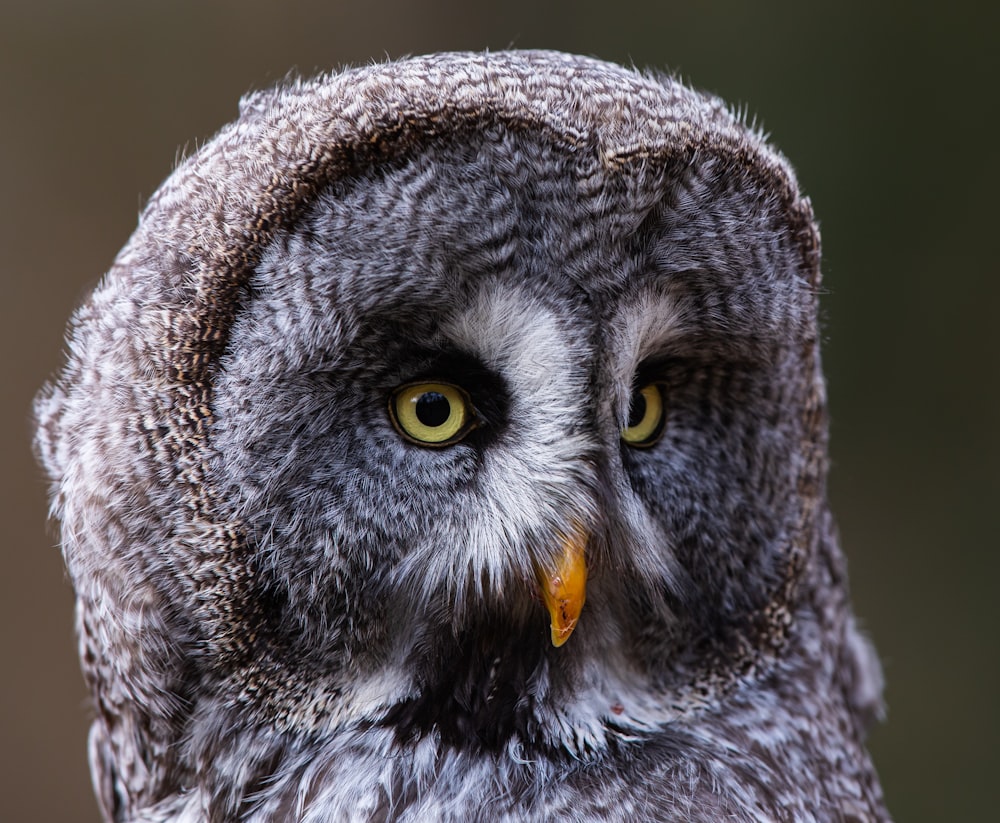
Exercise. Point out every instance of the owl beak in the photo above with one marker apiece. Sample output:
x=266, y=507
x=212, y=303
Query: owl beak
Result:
x=563, y=584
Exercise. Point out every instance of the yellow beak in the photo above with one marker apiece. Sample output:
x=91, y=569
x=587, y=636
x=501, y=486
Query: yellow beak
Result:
x=564, y=587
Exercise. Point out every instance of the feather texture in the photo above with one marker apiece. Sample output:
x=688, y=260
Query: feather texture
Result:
x=289, y=611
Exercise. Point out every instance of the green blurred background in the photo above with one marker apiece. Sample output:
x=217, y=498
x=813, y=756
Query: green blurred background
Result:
x=890, y=117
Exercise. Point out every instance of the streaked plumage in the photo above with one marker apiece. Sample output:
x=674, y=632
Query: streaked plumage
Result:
x=306, y=591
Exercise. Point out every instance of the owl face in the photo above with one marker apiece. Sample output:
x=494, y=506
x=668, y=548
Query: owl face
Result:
x=450, y=436
x=483, y=370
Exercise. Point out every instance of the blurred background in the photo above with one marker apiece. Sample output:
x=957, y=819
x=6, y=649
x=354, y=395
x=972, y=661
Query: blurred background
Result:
x=890, y=117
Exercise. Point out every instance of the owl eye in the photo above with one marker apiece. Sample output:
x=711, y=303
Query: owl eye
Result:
x=432, y=414
x=645, y=416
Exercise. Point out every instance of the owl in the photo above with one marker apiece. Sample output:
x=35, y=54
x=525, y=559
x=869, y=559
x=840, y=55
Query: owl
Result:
x=449, y=443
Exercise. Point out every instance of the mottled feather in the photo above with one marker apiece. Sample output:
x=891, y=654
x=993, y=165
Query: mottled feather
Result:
x=291, y=609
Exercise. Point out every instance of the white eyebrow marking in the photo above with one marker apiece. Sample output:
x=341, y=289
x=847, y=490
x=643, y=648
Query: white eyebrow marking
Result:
x=645, y=324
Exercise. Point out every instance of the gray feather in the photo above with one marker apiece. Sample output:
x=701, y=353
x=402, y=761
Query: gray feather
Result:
x=288, y=610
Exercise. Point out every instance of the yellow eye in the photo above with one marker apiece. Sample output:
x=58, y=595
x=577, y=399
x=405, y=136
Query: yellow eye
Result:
x=431, y=414
x=645, y=416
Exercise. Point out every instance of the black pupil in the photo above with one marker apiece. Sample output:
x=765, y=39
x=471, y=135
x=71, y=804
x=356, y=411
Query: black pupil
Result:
x=433, y=409
x=637, y=410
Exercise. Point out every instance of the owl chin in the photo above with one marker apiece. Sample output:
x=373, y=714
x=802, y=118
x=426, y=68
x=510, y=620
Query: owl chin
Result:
x=477, y=690
x=504, y=680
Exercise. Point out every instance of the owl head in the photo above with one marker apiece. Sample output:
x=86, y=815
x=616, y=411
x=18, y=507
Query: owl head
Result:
x=466, y=407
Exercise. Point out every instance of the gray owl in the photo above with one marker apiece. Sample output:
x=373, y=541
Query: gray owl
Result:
x=449, y=443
